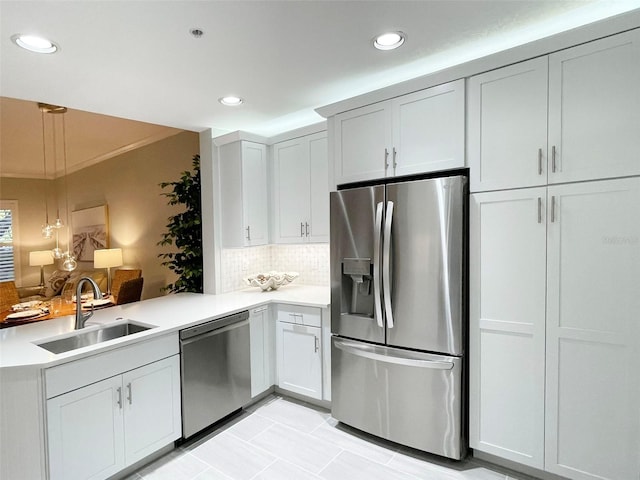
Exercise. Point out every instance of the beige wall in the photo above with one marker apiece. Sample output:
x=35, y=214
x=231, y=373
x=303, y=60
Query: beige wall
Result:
x=129, y=185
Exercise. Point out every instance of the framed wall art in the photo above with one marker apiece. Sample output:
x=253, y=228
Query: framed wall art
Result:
x=90, y=231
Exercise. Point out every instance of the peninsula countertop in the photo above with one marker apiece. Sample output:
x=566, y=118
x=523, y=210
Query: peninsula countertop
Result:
x=18, y=345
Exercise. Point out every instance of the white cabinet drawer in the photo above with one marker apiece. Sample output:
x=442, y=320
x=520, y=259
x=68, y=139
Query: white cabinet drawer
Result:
x=309, y=316
x=78, y=373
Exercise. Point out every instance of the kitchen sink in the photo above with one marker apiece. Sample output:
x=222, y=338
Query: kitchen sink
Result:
x=91, y=337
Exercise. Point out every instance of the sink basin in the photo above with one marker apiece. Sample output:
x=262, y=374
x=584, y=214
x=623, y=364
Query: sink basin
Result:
x=91, y=337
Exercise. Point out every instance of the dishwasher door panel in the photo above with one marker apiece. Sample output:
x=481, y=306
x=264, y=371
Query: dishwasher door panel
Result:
x=408, y=397
x=216, y=376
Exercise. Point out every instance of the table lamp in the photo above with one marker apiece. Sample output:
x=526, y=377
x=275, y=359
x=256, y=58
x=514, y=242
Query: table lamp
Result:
x=107, y=258
x=40, y=258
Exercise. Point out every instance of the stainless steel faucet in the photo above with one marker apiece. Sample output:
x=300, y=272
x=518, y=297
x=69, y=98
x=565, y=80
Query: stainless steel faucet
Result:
x=81, y=318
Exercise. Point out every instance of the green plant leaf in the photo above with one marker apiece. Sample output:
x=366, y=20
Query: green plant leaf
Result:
x=184, y=231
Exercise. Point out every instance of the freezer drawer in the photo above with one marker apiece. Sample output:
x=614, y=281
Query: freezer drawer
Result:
x=411, y=398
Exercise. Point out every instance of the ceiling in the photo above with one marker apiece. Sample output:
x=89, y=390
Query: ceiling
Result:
x=137, y=59
x=90, y=138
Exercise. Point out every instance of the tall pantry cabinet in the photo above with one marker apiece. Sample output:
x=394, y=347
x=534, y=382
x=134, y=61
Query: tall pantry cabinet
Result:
x=555, y=261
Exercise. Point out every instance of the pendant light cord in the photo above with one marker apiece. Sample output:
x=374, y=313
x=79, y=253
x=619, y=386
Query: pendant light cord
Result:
x=66, y=189
x=44, y=165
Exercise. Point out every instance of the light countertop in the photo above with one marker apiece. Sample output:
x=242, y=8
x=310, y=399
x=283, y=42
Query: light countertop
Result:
x=169, y=313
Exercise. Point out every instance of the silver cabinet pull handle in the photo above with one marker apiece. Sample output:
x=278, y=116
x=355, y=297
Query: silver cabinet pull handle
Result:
x=261, y=309
x=119, y=390
x=317, y=344
x=386, y=265
x=539, y=161
x=306, y=228
x=395, y=163
x=386, y=159
x=301, y=229
x=539, y=210
x=249, y=232
x=553, y=158
x=129, y=396
x=553, y=208
x=377, y=297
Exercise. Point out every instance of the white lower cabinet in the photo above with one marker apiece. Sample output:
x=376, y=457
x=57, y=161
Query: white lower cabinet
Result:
x=299, y=350
x=85, y=432
x=151, y=408
x=97, y=430
x=571, y=366
x=507, y=324
x=262, y=345
x=592, y=428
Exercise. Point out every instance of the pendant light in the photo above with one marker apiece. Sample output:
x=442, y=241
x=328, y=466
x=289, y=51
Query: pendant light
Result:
x=69, y=262
x=47, y=229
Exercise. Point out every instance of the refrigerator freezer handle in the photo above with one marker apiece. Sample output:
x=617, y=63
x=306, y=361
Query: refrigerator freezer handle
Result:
x=377, y=301
x=386, y=265
x=365, y=351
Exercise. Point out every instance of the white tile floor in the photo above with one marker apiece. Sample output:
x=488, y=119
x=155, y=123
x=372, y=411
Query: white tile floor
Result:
x=280, y=439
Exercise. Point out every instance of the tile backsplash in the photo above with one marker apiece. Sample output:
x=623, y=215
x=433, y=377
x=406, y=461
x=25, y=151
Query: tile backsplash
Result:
x=310, y=261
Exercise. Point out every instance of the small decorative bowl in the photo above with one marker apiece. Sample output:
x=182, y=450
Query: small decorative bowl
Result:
x=271, y=280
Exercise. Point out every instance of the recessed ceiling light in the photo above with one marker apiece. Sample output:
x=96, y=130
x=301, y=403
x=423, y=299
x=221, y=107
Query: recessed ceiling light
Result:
x=389, y=40
x=34, y=43
x=196, y=32
x=230, y=101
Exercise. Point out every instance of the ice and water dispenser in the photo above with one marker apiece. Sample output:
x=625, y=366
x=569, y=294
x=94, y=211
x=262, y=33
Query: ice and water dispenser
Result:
x=357, y=286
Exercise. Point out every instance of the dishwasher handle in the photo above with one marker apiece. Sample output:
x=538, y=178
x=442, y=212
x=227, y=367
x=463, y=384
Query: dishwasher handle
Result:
x=211, y=333
x=214, y=325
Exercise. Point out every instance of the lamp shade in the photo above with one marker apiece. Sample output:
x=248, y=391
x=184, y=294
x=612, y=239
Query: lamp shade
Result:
x=107, y=258
x=40, y=258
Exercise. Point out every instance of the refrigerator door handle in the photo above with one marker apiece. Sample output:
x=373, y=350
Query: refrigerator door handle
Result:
x=377, y=301
x=386, y=265
x=390, y=357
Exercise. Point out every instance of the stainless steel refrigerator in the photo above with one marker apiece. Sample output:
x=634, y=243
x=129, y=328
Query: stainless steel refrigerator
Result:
x=398, y=314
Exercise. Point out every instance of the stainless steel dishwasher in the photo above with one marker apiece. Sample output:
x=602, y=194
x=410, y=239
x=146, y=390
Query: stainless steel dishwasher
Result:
x=216, y=371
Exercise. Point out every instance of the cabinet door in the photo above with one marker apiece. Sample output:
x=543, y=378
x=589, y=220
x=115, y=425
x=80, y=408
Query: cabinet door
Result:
x=507, y=324
x=594, y=109
x=261, y=346
x=152, y=415
x=363, y=143
x=291, y=190
x=319, y=188
x=428, y=130
x=299, y=351
x=85, y=432
x=593, y=332
x=254, y=194
x=508, y=127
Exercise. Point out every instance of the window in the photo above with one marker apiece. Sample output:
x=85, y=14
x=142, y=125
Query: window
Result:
x=9, y=252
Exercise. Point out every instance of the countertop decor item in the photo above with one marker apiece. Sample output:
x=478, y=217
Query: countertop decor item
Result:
x=271, y=280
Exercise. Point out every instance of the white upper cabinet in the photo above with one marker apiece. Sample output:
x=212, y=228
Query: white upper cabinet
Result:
x=593, y=333
x=301, y=190
x=416, y=133
x=508, y=127
x=319, y=188
x=589, y=113
x=507, y=324
x=594, y=110
x=428, y=130
x=362, y=142
x=243, y=194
